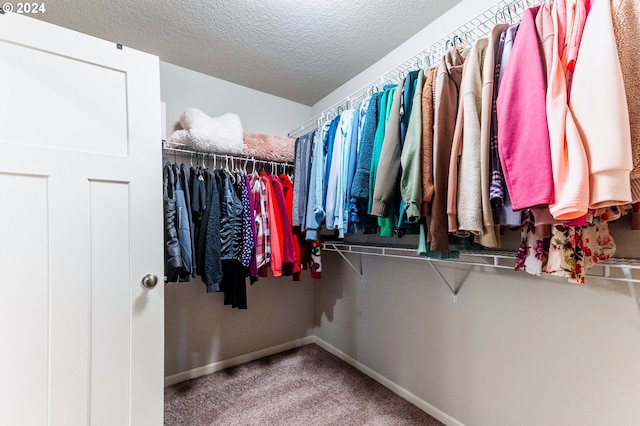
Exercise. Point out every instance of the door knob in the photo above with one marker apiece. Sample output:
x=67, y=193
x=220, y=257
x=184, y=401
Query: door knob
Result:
x=149, y=280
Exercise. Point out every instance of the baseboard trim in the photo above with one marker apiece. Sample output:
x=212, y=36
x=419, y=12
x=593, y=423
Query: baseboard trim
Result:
x=237, y=360
x=392, y=386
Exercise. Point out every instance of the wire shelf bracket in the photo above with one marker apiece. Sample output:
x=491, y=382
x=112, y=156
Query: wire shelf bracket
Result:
x=632, y=286
x=454, y=290
x=334, y=248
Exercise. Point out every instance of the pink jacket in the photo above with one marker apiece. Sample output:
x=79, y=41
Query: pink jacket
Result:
x=524, y=142
x=568, y=157
x=598, y=103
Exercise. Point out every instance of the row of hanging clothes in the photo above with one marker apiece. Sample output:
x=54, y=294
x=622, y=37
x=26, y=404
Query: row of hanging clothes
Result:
x=536, y=126
x=225, y=223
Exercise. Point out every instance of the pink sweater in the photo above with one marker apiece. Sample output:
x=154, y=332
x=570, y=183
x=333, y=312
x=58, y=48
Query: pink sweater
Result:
x=524, y=143
x=598, y=103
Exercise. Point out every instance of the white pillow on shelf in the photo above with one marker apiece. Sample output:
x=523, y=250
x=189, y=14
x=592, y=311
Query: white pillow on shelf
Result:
x=221, y=135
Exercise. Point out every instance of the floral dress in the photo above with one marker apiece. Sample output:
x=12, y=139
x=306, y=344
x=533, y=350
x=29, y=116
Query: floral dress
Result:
x=573, y=250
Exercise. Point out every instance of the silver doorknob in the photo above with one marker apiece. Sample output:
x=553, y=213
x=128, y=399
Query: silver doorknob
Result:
x=149, y=281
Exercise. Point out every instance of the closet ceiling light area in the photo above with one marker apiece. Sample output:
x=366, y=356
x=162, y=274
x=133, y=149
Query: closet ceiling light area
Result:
x=300, y=50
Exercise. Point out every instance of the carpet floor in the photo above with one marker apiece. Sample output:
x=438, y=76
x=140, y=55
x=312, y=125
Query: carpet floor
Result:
x=303, y=386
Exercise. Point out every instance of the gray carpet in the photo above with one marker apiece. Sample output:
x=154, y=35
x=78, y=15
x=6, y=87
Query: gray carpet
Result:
x=303, y=386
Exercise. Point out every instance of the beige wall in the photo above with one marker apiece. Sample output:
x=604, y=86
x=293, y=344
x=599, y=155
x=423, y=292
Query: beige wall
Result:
x=259, y=112
x=513, y=350
x=199, y=330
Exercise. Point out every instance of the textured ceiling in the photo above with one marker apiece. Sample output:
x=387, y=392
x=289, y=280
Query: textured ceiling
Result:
x=297, y=49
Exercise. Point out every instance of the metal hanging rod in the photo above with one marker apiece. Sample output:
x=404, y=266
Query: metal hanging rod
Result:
x=464, y=36
x=184, y=150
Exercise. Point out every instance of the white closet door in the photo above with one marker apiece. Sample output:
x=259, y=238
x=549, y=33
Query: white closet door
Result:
x=81, y=340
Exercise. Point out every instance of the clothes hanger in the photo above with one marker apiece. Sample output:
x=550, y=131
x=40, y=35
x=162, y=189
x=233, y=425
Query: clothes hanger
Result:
x=430, y=57
x=244, y=166
x=238, y=170
x=446, y=44
x=457, y=42
x=227, y=170
x=495, y=16
x=508, y=9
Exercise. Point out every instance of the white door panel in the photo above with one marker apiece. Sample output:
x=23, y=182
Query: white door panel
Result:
x=110, y=246
x=80, y=224
x=25, y=366
x=43, y=86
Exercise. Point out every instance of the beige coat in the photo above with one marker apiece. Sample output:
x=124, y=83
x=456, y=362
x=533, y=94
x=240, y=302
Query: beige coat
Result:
x=454, y=163
x=448, y=78
x=427, y=140
x=626, y=21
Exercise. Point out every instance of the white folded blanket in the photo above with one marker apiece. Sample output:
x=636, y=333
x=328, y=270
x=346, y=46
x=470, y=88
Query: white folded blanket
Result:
x=222, y=135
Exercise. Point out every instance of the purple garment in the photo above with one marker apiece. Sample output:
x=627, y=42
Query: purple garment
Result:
x=248, y=239
x=349, y=206
x=496, y=192
x=253, y=264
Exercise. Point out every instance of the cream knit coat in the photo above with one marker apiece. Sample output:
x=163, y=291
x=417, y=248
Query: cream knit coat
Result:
x=469, y=198
x=474, y=206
